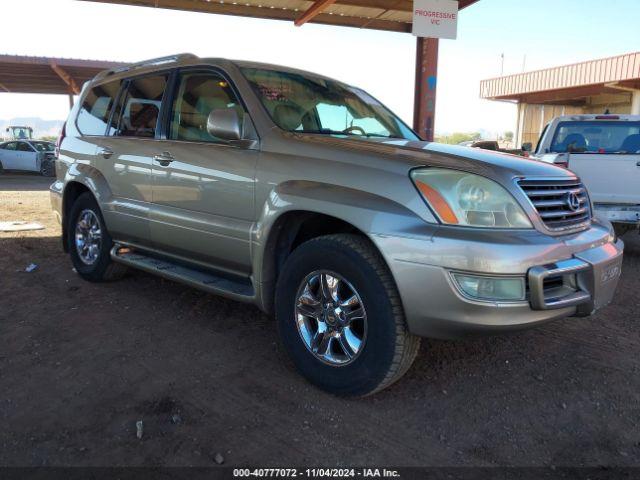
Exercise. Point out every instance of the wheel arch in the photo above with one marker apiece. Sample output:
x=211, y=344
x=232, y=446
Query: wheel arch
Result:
x=299, y=211
x=81, y=178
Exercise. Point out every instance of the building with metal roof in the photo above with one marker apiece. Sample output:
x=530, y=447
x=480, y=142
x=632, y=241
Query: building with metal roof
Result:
x=608, y=84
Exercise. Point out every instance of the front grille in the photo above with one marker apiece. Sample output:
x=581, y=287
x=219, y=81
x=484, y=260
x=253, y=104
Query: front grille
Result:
x=552, y=200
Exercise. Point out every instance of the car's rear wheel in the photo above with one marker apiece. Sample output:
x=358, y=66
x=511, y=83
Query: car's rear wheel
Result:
x=340, y=316
x=89, y=242
x=1, y=169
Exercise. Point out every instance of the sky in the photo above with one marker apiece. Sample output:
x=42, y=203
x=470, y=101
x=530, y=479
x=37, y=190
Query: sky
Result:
x=532, y=34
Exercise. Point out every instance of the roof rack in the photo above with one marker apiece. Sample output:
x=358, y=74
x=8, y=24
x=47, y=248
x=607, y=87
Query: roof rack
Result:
x=146, y=63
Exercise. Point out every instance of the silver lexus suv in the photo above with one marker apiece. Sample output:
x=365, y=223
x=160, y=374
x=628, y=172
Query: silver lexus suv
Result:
x=310, y=199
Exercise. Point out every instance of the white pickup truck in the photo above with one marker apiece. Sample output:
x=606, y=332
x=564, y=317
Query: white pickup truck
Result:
x=604, y=151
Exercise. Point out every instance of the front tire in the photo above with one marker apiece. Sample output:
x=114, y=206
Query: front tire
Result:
x=89, y=242
x=340, y=316
x=47, y=168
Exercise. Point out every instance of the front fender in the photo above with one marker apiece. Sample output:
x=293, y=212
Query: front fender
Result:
x=371, y=214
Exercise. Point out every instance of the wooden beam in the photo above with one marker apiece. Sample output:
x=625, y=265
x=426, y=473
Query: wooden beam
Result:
x=317, y=7
x=66, y=78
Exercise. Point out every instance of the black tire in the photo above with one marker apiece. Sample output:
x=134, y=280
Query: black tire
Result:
x=389, y=349
x=1, y=169
x=621, y=228
x=103, y=269
x=48, y=168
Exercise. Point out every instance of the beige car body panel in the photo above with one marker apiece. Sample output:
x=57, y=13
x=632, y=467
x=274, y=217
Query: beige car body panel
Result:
x=221, y=207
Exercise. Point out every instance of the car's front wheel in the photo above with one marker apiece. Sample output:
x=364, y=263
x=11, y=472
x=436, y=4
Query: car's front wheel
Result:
x=47, y=168
x=340, y=316
x=89, y=242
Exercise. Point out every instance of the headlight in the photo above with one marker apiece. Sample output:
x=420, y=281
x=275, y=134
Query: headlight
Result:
x=460, y=198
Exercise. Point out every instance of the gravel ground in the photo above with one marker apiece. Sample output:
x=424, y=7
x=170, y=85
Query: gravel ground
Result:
x=80, y=364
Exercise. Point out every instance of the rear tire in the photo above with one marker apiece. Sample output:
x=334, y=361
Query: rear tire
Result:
x=1, y=169
x=385, y=348
x=89, y=242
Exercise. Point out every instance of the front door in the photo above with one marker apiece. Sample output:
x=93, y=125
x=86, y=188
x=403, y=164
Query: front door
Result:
x=9, y=156
x=26, y=158
x=203, y=187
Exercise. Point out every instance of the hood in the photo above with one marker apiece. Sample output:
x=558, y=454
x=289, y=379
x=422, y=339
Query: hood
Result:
x=407, y=154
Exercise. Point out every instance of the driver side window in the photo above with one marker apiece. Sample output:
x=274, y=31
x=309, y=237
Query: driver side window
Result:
x=198, y=94
x=24, y=147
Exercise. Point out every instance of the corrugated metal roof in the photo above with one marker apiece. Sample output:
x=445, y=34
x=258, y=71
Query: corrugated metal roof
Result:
x=393, y=15
x=622, y=69
x=20, y=74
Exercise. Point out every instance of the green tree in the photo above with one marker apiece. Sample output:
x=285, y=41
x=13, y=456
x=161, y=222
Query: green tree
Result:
x=458, y=137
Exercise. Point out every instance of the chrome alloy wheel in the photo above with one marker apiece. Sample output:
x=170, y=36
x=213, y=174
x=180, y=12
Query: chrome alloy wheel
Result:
x=331, y=318
x=88, y=237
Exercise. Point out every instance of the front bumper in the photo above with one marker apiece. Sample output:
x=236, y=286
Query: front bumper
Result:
x=584, y=270
x=628, y=214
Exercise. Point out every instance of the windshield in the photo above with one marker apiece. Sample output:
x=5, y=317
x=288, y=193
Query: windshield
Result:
x=44, y=146
x=309, y=104
x=21, y=133
x=605, y=136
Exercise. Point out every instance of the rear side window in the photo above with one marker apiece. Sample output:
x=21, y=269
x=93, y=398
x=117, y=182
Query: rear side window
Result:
x=11, y=146
x=138, y=111
x=96, y=107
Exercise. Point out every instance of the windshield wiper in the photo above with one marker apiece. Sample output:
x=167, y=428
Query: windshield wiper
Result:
x=325, y=131
x=378, y=135
x=328, y=131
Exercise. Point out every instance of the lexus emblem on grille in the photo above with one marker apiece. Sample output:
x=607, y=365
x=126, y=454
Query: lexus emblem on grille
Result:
x=573, y=201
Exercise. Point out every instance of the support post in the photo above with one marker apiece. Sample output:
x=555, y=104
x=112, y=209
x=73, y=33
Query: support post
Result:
x=522, y=112
x=424, y=107
x=635, y=102
x=70, y=90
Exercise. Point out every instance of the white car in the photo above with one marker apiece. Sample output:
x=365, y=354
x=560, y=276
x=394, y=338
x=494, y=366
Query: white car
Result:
x=28, y=156
x=604, y=151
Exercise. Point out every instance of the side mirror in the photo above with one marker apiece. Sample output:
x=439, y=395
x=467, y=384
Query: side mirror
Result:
x=527, y=147
x=225, y=123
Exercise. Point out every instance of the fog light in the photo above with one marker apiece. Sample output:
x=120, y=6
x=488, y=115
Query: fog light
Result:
x=491, y=288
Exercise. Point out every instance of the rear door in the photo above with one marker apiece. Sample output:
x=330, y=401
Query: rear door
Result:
x=203, y=192
x=609, y=178
x=126, y=153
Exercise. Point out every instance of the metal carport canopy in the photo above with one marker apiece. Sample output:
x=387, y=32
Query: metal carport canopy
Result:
x=389, y=15
x=50, y=75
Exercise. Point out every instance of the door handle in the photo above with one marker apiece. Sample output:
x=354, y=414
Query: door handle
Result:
x=106, y=152
x=637, y=164
x=164, y=159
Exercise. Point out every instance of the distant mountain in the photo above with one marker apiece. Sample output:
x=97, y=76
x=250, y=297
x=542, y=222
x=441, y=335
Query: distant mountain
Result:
x=41, y=128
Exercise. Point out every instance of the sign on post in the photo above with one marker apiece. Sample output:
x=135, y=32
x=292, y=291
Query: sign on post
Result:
x=435, y=18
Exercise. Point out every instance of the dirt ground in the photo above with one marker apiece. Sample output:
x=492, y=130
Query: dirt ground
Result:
x=81, y=363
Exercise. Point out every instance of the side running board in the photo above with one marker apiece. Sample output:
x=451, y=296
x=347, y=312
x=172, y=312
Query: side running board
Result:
x=241, y=290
